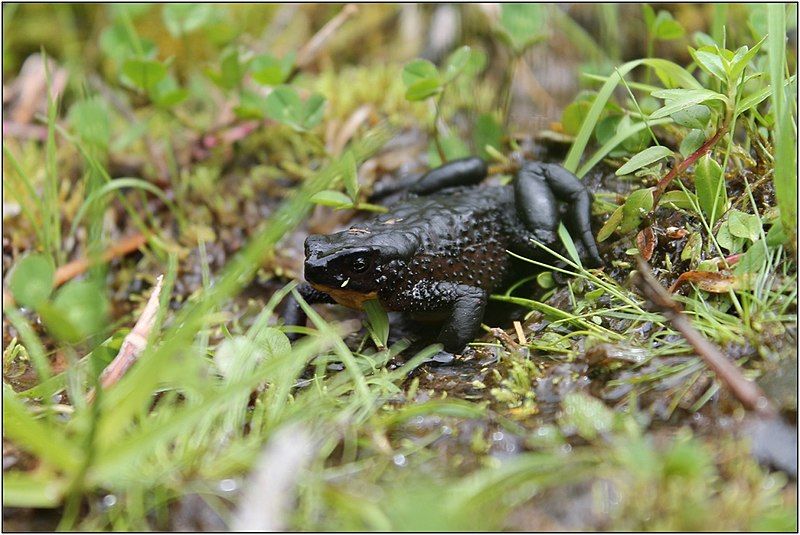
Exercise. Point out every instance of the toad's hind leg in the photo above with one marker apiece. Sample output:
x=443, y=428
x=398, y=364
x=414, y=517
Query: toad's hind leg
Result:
x=463, y=172
x=537, y=187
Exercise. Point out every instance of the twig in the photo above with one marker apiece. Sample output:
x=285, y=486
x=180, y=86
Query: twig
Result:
x=133, y=344
x=124, y=247
x=746, y=391
x=505, y=339
x=681, y=167
x=311, y=49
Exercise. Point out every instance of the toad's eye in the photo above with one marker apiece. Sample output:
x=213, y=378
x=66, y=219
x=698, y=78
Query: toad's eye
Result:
x=360, y=264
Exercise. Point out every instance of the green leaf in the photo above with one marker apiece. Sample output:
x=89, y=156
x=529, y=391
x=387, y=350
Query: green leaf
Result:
x=586, y=415
x=643, y=159
x=488, y=132
x=78, y=311
x=453, y=148
x=691, y=142
x=456, y=63
x=418, y=70
x=753, y=260
x=134, y=10
x=638, y=203
x=377, y=322
x=695, y=116
x=251, y=106
x=167, y=93
x=268, y=70
x=524, y=24
x=283, y=104
x=621, y=135
x=679, y=199
x=681, y=99
x=89, y=118
x=574, y=115
x=423, y=89
x=144, y=73
x=350, y=177
x=727, y=241
x=231, y=70
x=274, y=342
x=710, y=188
x=237, y=357
x=666, y=28
x=31, y=280
x=743, y=225
x=636, y=140
x=183, y=18
x=741, y=59
x=117, y=43
x=710, y=61
x=312, y=111
x=610, y=225
x=337, y=199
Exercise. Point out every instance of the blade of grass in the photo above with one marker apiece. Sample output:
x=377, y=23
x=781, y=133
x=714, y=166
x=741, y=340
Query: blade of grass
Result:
x=36, y=436
x=785, y=177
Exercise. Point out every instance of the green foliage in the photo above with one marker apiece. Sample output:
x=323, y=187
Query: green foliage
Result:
x=647, y=157
x=522, y=25
x=79, y=310
x=786, y=129
x=488, y=133
x=90, y=120
x=709, y=184
x=268, y=70
x=284, y=105
x=185, y=18
x=661, y=26
x=144, y=74
x=31, y=280
x=377, y=322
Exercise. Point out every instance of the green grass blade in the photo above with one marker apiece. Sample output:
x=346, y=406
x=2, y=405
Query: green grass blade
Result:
x=36, y=436
x=32, y=489
x=785, y=130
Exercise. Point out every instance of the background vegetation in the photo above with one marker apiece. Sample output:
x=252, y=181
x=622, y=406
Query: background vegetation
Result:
x=185, y=150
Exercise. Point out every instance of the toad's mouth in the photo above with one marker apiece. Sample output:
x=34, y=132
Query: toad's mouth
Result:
x=348, y=298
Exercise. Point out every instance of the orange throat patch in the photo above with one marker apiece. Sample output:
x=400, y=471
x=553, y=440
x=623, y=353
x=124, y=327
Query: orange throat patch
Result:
x=346, y=297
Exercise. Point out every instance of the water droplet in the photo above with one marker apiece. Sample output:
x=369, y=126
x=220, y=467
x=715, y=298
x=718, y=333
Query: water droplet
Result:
x=399, y=459
x=109, y=500
x=497, y=436
x=228, y=485
x=446, y=430
x=566, y=448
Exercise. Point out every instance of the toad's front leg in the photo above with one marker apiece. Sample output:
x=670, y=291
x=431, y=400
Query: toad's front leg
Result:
x=462, y=305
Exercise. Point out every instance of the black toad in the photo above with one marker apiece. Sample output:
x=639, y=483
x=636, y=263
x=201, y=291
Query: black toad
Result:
x=439, y=253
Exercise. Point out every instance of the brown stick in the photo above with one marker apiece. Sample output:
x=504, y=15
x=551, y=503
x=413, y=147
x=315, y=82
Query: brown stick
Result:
x=133, y=344
x=681, y=167
x=746, y=391
x=124, y=247
x=311, y=49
